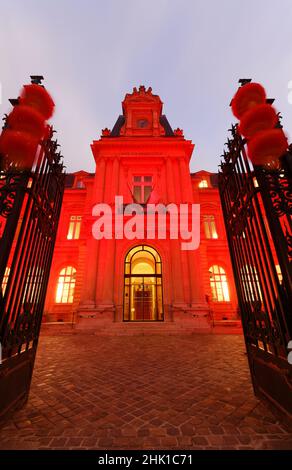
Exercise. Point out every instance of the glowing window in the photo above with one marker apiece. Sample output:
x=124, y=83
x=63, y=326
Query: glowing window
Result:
x=219, y=285
x=142, y=188
x=74, y=227
x=251, y=285
x=5, y=279
x=210, y=226
x=203, y=184
x=279, y=273
x=66, y=285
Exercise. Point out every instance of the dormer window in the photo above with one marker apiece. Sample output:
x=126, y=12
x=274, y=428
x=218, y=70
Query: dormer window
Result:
x=80, y=184
x=203, y=184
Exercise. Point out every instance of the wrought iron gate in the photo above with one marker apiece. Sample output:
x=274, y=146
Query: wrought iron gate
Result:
x=30, y=204
x=257, y=208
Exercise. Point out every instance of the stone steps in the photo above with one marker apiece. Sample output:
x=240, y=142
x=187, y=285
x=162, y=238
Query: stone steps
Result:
x=151, y=328
x=57, y=328
x=141, y=329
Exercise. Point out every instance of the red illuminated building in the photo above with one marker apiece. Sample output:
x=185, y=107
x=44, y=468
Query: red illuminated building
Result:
x=115, y=283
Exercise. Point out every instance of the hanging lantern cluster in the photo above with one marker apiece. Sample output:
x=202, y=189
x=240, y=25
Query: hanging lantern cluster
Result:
x=258, y=120
x=26, y=125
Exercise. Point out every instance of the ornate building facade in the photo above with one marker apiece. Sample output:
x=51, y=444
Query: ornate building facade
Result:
x=117, y=282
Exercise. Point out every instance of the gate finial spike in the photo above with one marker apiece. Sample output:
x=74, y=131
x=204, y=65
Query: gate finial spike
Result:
x=36, y=79
x=244, y=81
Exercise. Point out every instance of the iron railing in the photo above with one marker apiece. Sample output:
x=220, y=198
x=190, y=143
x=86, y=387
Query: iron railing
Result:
x=30, y=205
x=257, y=209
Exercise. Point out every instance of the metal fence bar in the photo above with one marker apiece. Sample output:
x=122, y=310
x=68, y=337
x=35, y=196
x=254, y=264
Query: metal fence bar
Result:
x=257, y=208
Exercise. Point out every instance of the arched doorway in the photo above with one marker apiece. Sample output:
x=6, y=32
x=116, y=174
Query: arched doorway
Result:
x=143, y=285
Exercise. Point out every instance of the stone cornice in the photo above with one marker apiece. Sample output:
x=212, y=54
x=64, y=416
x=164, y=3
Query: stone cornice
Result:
x=127, y=147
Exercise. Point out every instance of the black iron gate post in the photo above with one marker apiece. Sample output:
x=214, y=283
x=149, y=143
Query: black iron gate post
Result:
x=30, y=205
x=257, y=210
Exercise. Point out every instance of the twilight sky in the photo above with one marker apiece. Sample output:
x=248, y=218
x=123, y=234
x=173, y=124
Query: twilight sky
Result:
x=191, y=52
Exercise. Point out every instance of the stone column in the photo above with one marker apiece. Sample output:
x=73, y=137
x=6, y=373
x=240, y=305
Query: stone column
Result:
x=98, y=192
x=175, y=259
x=115, y=178
x=109, y=254
x=199, y=307
x=107, y=250
x=170, y=181
x=89, y=283
x=185, y=179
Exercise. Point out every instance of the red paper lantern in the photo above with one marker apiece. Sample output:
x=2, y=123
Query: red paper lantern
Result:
x=266, y=147
x=246, y=97
x=37, y=97
x=27, y=119
x=258, y=118
x=18, y=147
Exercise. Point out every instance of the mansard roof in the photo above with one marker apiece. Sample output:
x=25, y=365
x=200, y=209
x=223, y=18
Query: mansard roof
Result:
x=140, y=103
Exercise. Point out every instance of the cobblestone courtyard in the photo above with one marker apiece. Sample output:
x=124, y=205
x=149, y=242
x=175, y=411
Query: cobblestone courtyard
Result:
x=144, y=392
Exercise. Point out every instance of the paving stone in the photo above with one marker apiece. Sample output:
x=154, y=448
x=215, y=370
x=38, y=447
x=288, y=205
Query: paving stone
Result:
x=172, y=431
x=59, y=442
x=161, y=392
x=75, y=441
x=216, y=430
x=104, y=442
x=200, y=441
x=169, y=442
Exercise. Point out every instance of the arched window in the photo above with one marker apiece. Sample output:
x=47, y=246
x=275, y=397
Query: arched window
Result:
x=143, y=285
x=219, y=285
x=5, y=279
x=203, y=184
x=66, y=285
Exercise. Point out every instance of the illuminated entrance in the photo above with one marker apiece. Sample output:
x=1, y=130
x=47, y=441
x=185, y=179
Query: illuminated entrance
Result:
x=143, y=285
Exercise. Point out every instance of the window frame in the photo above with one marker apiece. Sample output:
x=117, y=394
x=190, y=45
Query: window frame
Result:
x=203, y=184
x=210, y=228
x=74, y=227
x=219, y=284
x=71, y=283
x=142, y=184
x=129, y=278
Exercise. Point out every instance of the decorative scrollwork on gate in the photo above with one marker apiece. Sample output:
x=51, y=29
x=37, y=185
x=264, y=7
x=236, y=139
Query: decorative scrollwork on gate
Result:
x=277, y=184
x=22, y=331
x=10, y=183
